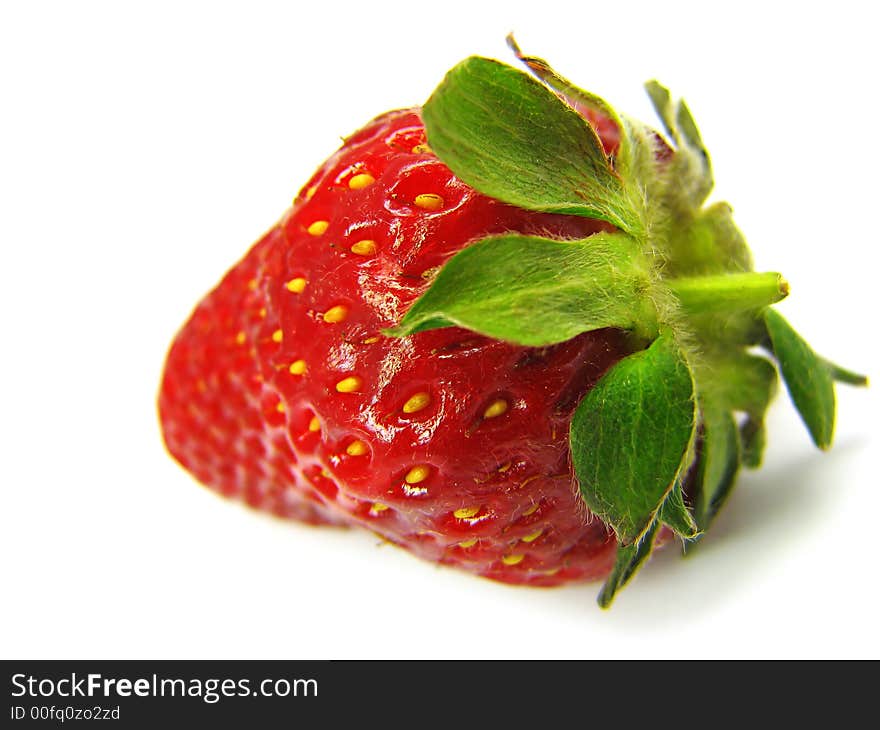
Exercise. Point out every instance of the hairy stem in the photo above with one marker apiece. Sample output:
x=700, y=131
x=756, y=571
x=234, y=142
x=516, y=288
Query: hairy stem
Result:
x=728, y=292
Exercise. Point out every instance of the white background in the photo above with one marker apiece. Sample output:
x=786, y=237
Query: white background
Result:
x=145, y=146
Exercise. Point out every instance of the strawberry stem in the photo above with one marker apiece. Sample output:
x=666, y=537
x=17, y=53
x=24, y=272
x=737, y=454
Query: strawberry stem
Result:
x=728, y=292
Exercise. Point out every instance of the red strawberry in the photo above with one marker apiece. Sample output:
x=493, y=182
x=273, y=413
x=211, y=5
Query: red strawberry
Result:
x=285, y=389
x=449, y=443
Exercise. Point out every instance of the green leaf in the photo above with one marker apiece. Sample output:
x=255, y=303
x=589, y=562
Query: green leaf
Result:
x=565, y=88
x=635, y=151
x=711, y=243
x=662, y=102
x=842, y=375
x=731, y=380
x=734, y=253
x=691, y=165
x=675, y=514
x=719, y=462
x=739, y=381
x=753, y=439
x=629, y=559
x=511, y=138
x=689, y=130
x=677, y=120
x=806, y=376
x=536, y=291
x=630, y=437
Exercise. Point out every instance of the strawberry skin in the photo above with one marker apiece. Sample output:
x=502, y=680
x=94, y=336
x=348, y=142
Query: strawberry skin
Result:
x=281, y=390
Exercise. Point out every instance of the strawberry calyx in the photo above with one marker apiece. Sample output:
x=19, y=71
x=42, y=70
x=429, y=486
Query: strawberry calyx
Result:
x=674, y=273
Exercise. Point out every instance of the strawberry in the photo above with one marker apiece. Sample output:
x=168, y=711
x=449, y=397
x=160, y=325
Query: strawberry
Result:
x=282, y=390
x=449, y=342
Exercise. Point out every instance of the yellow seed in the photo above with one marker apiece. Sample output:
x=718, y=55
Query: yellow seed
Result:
x=504, y=467
x=429, y=201
x=240, y=338
x=318, y=227
x=370, y=341
x=531, y=510
x=310, y=193
x=361, y=181
x=378, y=507
x=280, y=407
x=364, y=248
x=252, y=284
x=296, y=285
x=314, y=424
x=417, y=474
x=464, y=513
x=336, y=314
x=421, y=149
x=512, y=559
x=262, y=312
x=552, y=571
x=351, y=384
x=357, y=448
x=297, y=367
x=468, y=543
x=277, y=336
x=496, y=408
x=417, y=402
x=533, y=536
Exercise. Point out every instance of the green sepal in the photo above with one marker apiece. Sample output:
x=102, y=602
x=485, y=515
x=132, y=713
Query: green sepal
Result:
x=710, y=243
x=734, y=253
x=692, y=169
x=731, y=381
x=629, y=559
x=675, y=514
x=739, y=381
x=661, y=100
x=753, y=441
x=807, y=378
x=634, y=158
x=677, y=120
x=536, y=291
x=631, y=435
x=719, y=462
x=842, y=375
x=689, y=130
x=510, y=137
x=569, y=91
